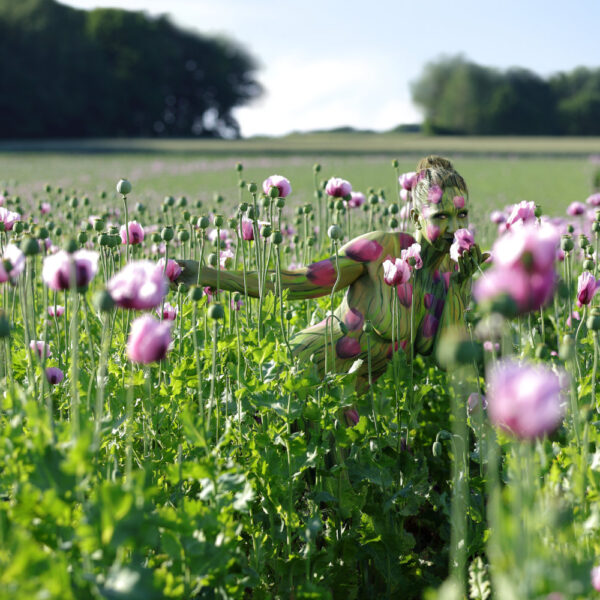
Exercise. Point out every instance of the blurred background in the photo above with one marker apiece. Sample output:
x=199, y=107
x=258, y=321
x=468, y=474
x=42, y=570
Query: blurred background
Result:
x=194, y=68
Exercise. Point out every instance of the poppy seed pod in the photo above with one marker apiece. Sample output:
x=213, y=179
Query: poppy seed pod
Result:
x=167, y=234
x=219, y=220
x=196, y=294
x=216, y=311
x=593, y=321
x=335, y=232
x=203, y=222
x=103, y=301
x=123, y=187
x=169, y=201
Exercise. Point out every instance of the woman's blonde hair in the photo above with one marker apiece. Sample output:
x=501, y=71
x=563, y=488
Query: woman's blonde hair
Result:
x=435, y=171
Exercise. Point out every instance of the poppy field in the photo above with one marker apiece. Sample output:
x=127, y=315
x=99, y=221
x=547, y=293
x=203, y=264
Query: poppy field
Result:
x=159, y=439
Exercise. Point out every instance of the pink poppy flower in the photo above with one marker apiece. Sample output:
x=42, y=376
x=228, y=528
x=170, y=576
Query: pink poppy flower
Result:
x=586, y=288
x=408, y=180
x=39, y=347
x=435, y=193
x=575, y=209
x=45, y=208
x=169, y=312
x=463, y=241
x=173, y=270
x=522, y=212
x=279, y=182
x=57, y=269
x=56, y=311
x=148, y=340
x=357, y=200
x=595, y=577
x=338, y=187
x=594, y=200
x=396, y=271
x=247, y=230
x=136, y=233
x=412, y=252
x=12, y=263
x=140, y=285
x=9, y=218
x=54, y=375
x=524, y=399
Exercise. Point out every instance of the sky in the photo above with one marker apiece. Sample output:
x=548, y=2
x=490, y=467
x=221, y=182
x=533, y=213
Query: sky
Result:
x=331, y=63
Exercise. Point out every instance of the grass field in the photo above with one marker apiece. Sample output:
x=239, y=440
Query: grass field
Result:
x=553, y=172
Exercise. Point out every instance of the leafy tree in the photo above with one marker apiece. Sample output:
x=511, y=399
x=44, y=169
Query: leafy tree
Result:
x=67, y=73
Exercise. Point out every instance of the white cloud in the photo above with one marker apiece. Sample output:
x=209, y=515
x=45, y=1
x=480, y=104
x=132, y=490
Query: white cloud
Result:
x=318, y=93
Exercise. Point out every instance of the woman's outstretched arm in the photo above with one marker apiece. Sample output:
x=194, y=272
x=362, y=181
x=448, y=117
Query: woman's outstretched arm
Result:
x=317, y=279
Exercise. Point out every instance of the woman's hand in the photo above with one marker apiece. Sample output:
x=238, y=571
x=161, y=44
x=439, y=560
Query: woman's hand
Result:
x=468, y=263
x=189, y=274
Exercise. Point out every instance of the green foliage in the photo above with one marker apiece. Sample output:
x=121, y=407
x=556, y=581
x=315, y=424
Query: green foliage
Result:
x=108, y=72
x=461, y=97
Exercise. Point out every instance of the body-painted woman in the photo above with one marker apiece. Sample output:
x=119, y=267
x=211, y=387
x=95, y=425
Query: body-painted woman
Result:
x=437, y=293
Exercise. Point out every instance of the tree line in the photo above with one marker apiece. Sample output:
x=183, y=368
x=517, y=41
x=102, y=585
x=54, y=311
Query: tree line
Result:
x=461, y=97
x=72, y=73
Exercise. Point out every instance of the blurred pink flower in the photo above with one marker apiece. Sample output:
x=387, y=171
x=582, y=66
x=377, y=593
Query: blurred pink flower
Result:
x=594, y=199
x=490, y=346
x=173, y=269
x=532, y=246
x=40, y=348
x=225, y=258
x=497, y=217
x=338, y=187
x=463, y=241
x=59, y=312
x=236, y=305
x=247, y=230
x=56, y=270
x=136, y=233
x=396, y=271
x=278, y=181
x=12, y=263
x=9, y=218
x=522, y=212
x=412, y=252
x=208, y=292
x=45, y=208
x=575, y=209
x=524, y=399
x=54, y=375
x=140, y=285
x=408, y=180
x=169, y=312
x=595, y=577
x=476, y=401
x=357, y=200
x=586, y=288
x=574, y=316
x=148, y=340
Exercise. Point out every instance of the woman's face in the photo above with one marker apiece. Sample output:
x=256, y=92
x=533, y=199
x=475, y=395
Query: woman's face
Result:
x=444, y=213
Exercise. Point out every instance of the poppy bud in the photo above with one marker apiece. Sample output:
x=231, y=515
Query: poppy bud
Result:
x=123, y=187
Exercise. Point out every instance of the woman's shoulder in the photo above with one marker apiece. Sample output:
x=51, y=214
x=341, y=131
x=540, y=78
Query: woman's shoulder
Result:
x=374, y=245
